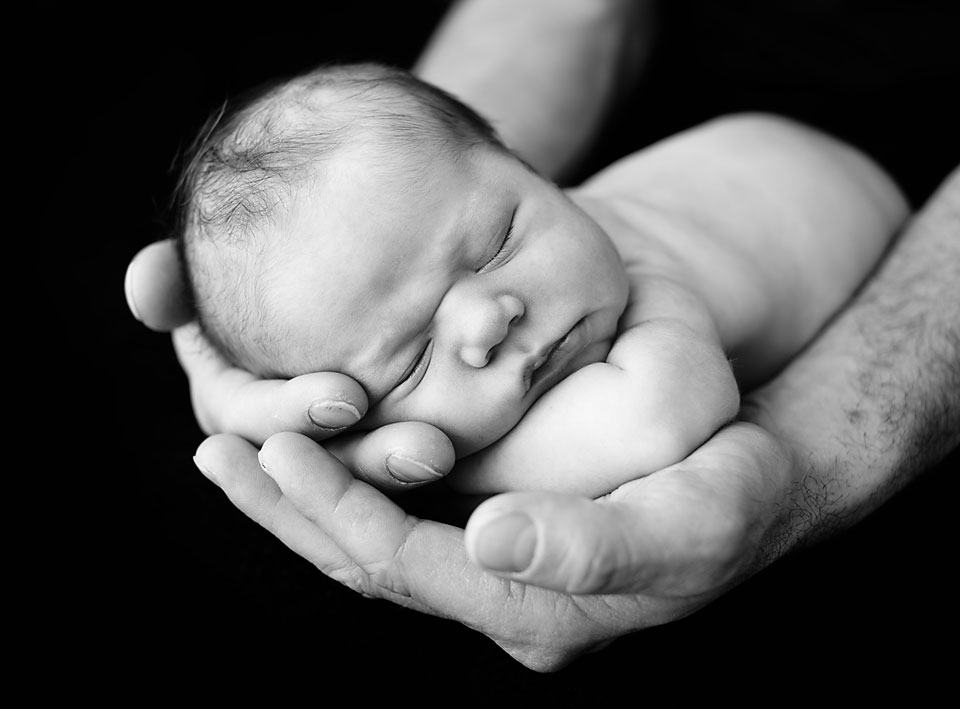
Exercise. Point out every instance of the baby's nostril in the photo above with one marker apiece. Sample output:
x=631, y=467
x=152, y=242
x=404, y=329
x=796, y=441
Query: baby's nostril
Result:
x=512, y=307
x=476, y=357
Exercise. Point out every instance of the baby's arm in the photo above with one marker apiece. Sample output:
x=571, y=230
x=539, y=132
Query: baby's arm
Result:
x=772, y=225
x=665, y=388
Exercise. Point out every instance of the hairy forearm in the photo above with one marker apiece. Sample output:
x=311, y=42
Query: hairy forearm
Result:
x=544, y=72
x=876, y=399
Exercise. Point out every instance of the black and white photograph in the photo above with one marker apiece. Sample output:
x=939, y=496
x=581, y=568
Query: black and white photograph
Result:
x=546, y=352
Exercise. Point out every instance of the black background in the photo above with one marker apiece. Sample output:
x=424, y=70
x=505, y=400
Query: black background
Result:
x=179, y=584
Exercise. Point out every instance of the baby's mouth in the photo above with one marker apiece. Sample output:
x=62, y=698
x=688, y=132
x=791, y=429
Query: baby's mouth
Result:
x=550, y=363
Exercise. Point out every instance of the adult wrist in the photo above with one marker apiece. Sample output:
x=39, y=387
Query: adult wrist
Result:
x=833, y=477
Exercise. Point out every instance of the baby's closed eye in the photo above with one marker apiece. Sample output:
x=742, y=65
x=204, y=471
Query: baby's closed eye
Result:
x=417, y=369
x=502, y=251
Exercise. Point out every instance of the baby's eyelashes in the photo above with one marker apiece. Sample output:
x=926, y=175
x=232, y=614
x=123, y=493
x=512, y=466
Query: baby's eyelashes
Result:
x=502, y=250
x=414, y=375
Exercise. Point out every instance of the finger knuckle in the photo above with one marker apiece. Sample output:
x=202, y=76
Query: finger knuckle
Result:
x=593, y=567
x=351, y=576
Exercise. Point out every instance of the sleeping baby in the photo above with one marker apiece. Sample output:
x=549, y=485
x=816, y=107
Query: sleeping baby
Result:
x=359, y=220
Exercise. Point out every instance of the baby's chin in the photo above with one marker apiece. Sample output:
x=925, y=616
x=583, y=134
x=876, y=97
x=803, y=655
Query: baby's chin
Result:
x=479, y=438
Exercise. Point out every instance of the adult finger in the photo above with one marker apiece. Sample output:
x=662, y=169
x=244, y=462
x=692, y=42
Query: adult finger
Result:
x=232, y=464
x=414, y=562
x=683, y=531
x=580, y=546
x=156, y=294
x=397, y=456
x=423, y=565
x=227, y=399
x=363, y=522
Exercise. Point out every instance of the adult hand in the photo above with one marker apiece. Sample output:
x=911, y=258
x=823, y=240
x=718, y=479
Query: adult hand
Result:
x=546, y=576
x=322, y=405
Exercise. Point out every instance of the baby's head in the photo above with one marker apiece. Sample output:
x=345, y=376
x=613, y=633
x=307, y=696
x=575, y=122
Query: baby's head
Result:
x=358, y=220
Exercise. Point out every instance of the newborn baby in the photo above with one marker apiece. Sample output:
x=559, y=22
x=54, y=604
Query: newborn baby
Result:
x=356, y=219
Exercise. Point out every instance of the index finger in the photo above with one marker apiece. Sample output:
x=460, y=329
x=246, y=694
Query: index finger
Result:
x=227, y=399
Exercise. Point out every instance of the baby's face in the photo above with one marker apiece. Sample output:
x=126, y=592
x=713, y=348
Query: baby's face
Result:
x=456, y=292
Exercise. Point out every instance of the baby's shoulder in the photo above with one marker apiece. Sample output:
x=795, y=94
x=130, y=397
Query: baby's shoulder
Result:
x=723, y=186
x=695, y=157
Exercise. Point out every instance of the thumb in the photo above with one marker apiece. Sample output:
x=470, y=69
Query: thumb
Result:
x=582, y=546
x=565, y=543
x=154, y=287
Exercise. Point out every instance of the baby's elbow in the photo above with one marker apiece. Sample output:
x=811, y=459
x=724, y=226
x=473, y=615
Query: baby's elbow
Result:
x=673, y=399
x=674, y=443
x=653, y=442
x=705, y=405
x=726, y=397
x=657, y=445
x=690, y=430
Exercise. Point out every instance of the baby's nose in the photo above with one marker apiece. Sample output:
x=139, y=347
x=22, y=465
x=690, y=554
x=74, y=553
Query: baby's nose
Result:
x=487, y=328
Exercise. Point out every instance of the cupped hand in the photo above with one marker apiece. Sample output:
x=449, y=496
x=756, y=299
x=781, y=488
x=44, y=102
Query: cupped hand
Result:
x=546, y=576
x=322, y=405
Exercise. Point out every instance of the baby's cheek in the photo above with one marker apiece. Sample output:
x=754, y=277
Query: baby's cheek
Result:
x=474, y=422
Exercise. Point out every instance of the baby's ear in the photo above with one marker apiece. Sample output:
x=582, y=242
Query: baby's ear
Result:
x=154, y=287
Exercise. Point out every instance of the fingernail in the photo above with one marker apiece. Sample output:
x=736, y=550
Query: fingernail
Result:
x=507, y=543
x=209, y=474
x=334, y=415
x=128, y=292
x=407, y=470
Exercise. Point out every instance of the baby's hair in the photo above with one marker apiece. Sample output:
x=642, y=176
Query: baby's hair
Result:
x=254, y=152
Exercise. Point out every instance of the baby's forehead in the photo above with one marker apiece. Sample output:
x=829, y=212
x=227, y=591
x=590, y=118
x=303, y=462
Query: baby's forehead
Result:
x=368, y=185
x=358, y=257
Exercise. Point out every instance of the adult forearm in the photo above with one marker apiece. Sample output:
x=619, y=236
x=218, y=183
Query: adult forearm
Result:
x=876, y=399
x=544, y=72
